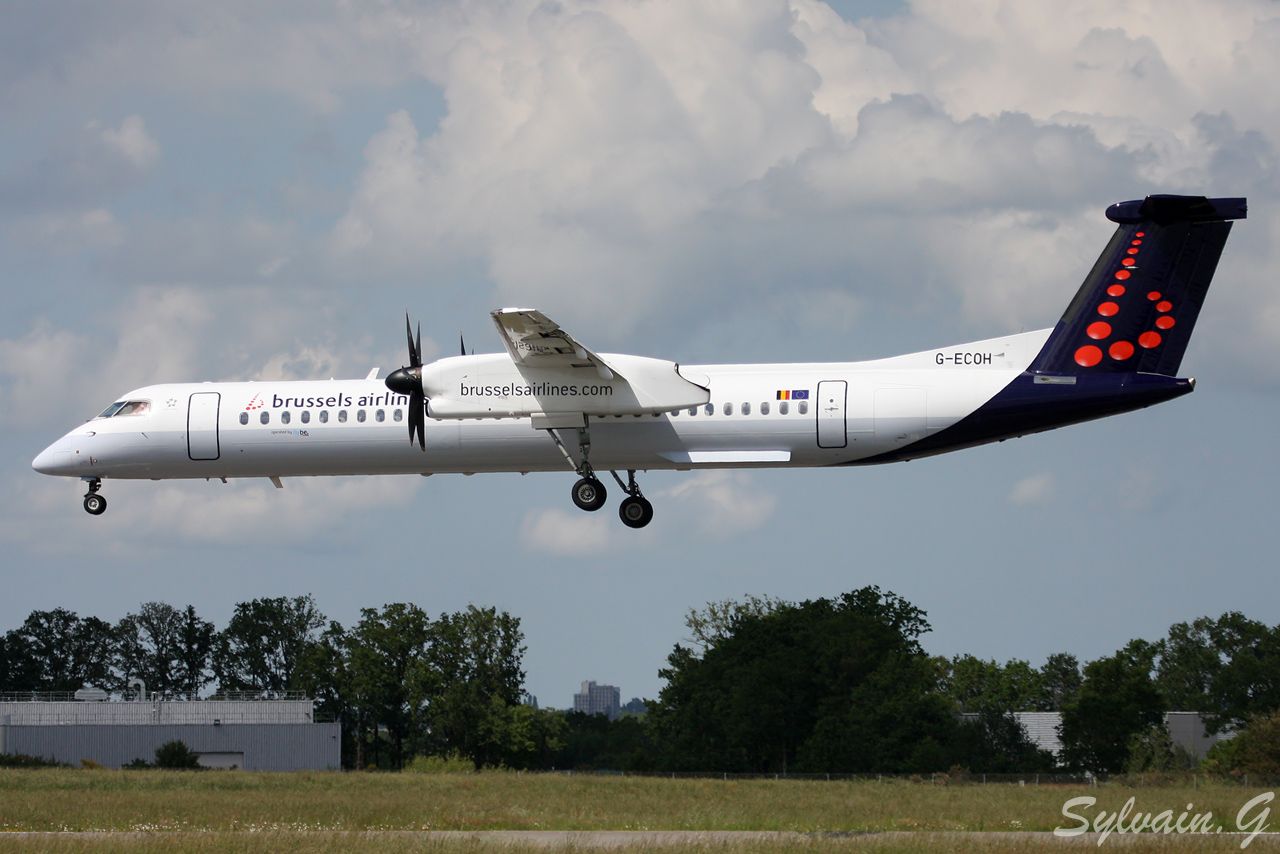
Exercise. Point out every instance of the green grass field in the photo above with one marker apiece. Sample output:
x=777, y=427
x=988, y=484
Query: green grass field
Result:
x=191, y=811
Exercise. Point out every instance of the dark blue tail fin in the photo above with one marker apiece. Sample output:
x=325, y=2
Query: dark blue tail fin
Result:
x=1137, y=307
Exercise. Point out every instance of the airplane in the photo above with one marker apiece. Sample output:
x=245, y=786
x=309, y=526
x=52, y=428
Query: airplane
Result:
x=549, y=403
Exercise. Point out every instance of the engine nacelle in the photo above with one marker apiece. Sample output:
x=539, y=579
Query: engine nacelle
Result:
x=492, y=386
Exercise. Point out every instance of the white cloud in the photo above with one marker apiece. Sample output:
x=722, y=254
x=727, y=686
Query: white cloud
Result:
x=38, y=372
x=132, y=142
x=562, y=532
x=52, y=376
x=618, y=165
x=721, y=503
x=1036, y=489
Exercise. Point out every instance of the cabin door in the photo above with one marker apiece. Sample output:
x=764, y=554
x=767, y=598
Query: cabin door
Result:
x=202, y=426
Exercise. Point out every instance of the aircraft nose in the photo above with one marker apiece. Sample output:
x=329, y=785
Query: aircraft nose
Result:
x=53, y=460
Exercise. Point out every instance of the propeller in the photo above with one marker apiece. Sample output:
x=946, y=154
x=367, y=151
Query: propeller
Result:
x=408, y=380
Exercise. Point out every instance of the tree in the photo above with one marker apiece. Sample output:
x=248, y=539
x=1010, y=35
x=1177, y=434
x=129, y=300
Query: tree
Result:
x=195, y=647
x=714, y=621
x=19, y=670
x=1228, y=669
x=825, y=685
x=58, y=651
x=166, y=648
x=595, y=742
x=1116, y=701
x=383, y=649
x=263, y=643
x=1060, y=680
x=995, y=743
x=1254, y=750
x=324, y=673
x=470, y=678
x=976, y=685
x=1248, y=685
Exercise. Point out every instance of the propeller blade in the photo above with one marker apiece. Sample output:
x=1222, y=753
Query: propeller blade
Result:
x=413, y=351
x=417, y=420
x=408, y=380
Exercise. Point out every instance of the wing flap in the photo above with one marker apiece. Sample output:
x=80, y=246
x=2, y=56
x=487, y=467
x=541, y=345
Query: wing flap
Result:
x=536, y=341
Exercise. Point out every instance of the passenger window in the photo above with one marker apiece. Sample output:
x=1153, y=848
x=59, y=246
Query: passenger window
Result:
x=360, y=416
x=342, y=416
x=306, y=416
x=804, y=407
x=324, y=416
x=709, y=409
x=746, y=409
x=784, y=407
x=764, y=408
x=398, y=415
x=728, y=408
x=265, y=418
x=284, y=417
x=244, y=418
x=381, y=415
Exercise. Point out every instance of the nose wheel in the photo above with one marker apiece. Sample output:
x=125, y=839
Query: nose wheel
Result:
x=95, y=504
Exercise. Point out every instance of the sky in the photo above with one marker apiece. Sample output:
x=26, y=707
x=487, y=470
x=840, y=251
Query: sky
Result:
x=260, y=191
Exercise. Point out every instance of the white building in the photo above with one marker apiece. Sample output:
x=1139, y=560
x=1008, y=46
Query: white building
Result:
x=251, y=734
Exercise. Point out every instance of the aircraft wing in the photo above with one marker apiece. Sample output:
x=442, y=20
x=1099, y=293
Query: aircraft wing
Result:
x=536, y=341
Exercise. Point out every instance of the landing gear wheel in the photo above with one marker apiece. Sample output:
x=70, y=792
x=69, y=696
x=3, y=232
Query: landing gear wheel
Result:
x=635, y=512
x=589, y=494
x=95, y=504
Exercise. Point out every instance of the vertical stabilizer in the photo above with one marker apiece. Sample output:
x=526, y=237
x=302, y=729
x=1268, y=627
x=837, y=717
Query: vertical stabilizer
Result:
x=1137, y=307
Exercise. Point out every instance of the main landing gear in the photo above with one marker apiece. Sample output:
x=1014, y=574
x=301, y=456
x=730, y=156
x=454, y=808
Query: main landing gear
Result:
x=95, y=504
x=635, y=511
x=589, y=493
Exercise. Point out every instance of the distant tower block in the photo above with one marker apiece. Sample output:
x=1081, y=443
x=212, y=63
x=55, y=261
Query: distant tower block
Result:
x=596, y=699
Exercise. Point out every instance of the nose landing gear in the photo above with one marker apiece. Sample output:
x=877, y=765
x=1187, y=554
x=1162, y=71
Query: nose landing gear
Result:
x=95, y=504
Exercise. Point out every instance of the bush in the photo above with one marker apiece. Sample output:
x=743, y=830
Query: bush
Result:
x=176, y=755
x=453, y=763
x=20, y=760
x=1153, y=751
x=1255, y=750
x=138, y=764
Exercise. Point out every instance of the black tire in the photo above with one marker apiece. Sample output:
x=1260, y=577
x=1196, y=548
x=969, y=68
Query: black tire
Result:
x=635, y=512
x=589, y=494
x=95, y=505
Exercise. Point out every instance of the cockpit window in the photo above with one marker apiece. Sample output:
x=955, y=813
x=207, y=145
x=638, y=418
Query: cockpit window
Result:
x=127, y=407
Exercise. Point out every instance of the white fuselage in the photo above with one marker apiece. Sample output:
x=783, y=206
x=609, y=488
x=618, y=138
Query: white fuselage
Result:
x=852, y=411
